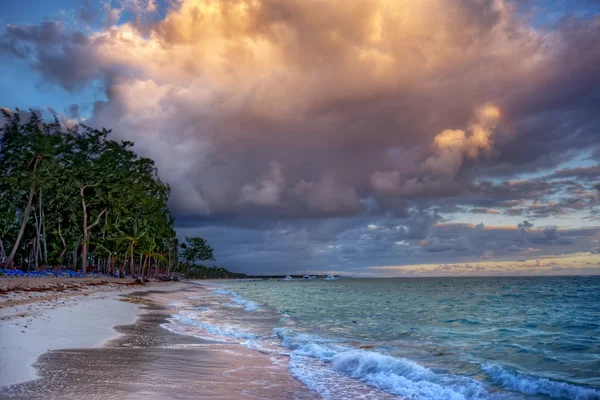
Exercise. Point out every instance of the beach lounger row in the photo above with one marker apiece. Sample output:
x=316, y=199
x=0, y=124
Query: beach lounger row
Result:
x=50, y=273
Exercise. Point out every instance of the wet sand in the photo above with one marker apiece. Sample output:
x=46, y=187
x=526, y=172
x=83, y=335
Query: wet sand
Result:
x=150, y=362
x=79, y=319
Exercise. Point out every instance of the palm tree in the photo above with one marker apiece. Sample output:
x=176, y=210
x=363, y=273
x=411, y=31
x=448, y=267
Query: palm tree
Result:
x=131, y=232
x=147, y=249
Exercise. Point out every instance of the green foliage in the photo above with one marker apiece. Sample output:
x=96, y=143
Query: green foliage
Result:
x=194, y=271
x=89, y=193
x=196, y=249
x=71, y=196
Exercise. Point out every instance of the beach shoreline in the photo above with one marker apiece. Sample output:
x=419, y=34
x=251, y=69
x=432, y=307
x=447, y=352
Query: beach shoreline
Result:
x=40, y=315
x=127, y=353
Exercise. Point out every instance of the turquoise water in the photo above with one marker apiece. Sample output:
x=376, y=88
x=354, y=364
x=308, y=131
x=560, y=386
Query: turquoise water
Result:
x=430, y=338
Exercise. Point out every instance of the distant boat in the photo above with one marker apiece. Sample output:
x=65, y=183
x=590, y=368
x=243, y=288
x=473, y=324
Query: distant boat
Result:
x=287, y=279
x=331, y=278
x=307, y=278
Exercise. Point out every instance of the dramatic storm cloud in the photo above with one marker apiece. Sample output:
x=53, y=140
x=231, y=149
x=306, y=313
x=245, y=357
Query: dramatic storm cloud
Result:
x=335, y=136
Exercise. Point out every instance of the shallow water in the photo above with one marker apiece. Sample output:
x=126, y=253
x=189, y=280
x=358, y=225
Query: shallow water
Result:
x=147, y=362
x=426, y=338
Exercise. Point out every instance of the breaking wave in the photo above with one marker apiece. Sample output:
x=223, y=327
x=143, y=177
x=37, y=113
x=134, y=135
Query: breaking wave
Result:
x=394, y=375
x=533, y=385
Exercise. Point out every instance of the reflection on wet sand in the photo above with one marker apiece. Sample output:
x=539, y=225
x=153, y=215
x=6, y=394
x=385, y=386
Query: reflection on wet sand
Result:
x=149, y=362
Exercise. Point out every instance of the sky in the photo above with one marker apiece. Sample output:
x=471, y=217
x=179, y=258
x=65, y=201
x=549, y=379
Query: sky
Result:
x=364, y=137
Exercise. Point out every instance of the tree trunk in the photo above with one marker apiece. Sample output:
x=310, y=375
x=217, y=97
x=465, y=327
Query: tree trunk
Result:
x=36, y=243
x=86, y=229
x=75, y=256
x=131, y=266
x=85, y=232
x=2, y=253
x=31, y=247
x=169, y=264
x=25, y=218
x=43, y=229
x=144, y=266
x=34, y=250
x=104, y=228
x=122, y=268
x=171, y=260
x=62, y=253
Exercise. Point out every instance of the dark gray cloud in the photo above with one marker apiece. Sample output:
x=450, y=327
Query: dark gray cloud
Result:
x=60, y=55
x=515, y=248
x=319, y=121
x=550, y=235
x=483, y=210
x=345, y=146
x=293, y=246
x=461, y=243
x=588, y=173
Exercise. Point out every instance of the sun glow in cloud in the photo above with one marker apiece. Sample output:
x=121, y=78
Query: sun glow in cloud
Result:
x=326, y=117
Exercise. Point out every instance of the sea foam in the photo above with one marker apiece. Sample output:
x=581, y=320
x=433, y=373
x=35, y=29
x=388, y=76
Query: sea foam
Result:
x=207, y=330
x=247, y=304
x=533, y=385
x=406, y=378
x=395, y=375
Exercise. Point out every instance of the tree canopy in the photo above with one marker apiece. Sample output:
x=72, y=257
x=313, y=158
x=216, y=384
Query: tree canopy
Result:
x=196, y=249
x=73, y=197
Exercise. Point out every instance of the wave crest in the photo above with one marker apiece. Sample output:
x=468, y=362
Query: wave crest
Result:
x=395, y=375
x=527, y=384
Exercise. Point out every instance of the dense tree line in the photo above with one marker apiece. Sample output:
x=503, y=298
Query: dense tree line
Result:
x=197, y=249
x=72, y=197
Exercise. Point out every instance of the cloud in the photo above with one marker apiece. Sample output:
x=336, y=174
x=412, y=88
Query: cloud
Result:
x=267, y=191
x=438, y=172
x=523, y=227
x=351, y=243
x=487, y=255
x=353, y=97
x=483, y=210
x=328, y=196
x=436, y=245
x=591, y=173
x=491, y=245
x=514, y=248
x=534, y=264
x=550, y=235
x=318, y=118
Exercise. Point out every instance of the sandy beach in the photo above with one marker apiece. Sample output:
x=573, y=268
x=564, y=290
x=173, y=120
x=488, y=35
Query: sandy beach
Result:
x=40, y=315
x=105, y=341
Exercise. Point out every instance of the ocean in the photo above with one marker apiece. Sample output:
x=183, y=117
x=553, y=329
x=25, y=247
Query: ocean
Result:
x=415, y=338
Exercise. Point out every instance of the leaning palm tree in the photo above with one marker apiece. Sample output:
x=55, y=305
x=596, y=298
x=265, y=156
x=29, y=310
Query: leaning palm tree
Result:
x=131, y=231
x=158, y=257
x=113, y=249
x=147, y=250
